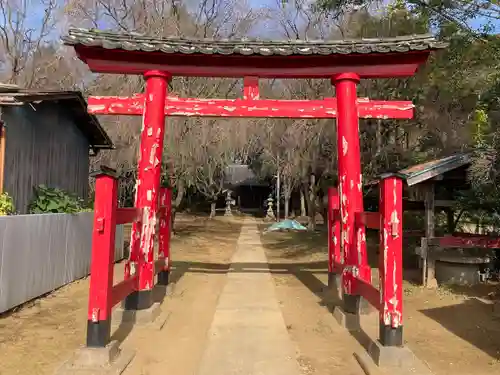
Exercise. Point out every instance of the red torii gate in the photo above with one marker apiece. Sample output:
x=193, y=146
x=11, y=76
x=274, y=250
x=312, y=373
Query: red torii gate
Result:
x=343, y=62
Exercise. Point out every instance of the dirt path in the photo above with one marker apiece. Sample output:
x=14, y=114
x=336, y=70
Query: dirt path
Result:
x=452, y=331
x=300, y=279
x=40, y=336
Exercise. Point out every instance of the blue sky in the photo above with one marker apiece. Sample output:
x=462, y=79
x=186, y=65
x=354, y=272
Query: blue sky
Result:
x=269, y=28
x=475, y=24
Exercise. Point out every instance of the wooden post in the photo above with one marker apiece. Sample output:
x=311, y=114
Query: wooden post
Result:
x=353, y=238
x=334, y=254
x=428, y=263
x=101, y=267
x=450, y=220
x=147, y=190
x=391, y=262
x=164, y=234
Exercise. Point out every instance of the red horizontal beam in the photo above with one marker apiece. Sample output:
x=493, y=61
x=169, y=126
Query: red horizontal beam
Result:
x=376, y=65
x=123, y=289
x=368, y=219
x=175, y=106
x=370, y=293
x=127, y=215
x=485, y=242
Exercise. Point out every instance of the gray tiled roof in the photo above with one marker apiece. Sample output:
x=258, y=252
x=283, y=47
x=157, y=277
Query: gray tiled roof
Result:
x=71, y=101
x=240, y=174
x=137, y=42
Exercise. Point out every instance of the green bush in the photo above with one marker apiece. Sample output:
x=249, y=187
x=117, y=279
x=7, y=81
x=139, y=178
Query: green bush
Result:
x=54, y=200
x=6, y=205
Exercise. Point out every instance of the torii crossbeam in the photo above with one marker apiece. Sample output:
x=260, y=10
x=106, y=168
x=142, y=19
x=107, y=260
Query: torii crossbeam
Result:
x=247, y=107
x=250, y=106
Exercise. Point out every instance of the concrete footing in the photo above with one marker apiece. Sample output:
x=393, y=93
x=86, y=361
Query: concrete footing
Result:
x=334, y=285
x=351, y=322
x=391, y=360
x=137, y=316
x=110, y=360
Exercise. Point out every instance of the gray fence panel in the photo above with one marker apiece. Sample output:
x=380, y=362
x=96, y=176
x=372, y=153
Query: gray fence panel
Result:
x=40, y=253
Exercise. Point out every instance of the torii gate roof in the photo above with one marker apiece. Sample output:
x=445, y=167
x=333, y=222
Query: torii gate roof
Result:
x=109, y=52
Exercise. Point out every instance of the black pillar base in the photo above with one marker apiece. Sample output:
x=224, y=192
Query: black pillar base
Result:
x=163, y=277
x=332, y=282
x=352, y=304
x=98, y=333
x=139, y=300
x=391, y=336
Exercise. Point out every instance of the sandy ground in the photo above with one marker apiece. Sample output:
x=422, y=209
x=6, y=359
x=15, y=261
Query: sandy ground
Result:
x=453, y=331
x=324, y=347
x=38, y=337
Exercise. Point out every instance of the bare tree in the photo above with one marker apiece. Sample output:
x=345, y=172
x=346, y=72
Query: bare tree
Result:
x=24, y=39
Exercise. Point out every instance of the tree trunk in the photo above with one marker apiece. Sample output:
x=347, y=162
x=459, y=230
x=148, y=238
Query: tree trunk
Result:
x=287, y=204
x=302, y=203
x=212, y=210
x=450, y=220
x=176, y=204
x=312, y=203
x=379, y=136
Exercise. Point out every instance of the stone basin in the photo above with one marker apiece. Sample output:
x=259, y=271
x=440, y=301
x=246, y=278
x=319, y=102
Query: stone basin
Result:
x=461, y=266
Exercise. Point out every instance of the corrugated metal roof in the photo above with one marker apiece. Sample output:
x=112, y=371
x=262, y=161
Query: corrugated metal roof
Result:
x=425, y=171
x=138, y=42
x=73, y=101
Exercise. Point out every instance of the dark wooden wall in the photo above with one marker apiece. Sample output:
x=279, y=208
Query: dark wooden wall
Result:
x=43, y=146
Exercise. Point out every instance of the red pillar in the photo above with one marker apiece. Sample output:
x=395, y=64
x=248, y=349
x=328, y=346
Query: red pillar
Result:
x=101, y=267
x=334, y=255
x=147, y=190
x=391, y=261
x=164, y=235
x=353, y=240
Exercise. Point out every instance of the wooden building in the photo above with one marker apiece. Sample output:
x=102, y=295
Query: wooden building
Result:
x=46, y=138
x=249, y=191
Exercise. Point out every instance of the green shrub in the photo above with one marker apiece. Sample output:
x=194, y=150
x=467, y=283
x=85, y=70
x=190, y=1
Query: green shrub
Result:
x=54, y=200
x=6, y=205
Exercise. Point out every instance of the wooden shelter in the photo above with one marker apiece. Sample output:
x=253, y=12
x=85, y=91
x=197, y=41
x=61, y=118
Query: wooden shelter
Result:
x=432, y=186
x=47, y=137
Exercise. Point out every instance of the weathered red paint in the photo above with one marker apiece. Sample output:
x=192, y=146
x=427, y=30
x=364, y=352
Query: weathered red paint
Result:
x=353, y=239
x=383, y=65
x=123, y=289
x=391, y=252
x=466, y=240
x=251, y=88
x=369, y=293
x=368, y=219
x=103, y=248
x=148, y=180
x=334, y=255
x=250, y=106
x=164, y=231
x=128, y=215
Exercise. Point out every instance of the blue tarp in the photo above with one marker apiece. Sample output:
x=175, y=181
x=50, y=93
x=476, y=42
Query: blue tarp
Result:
x=287, y=224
